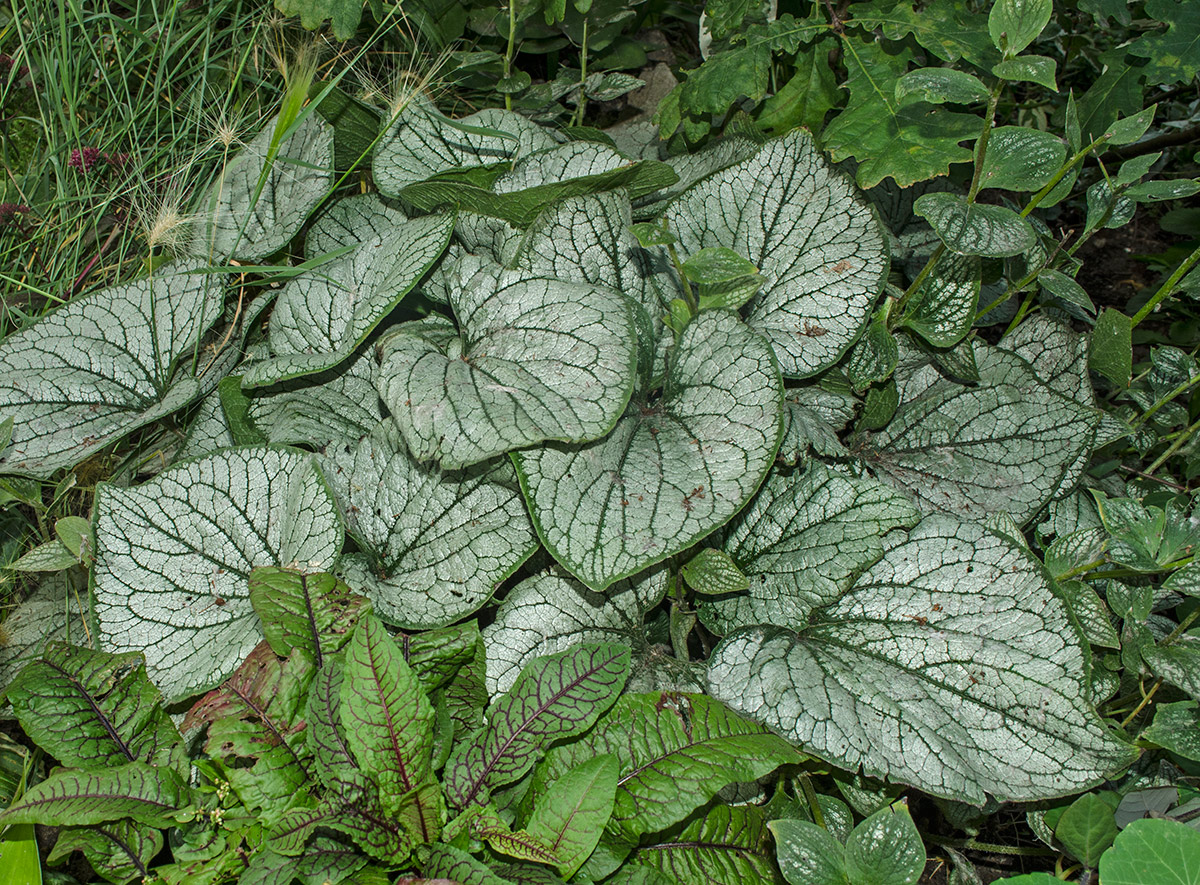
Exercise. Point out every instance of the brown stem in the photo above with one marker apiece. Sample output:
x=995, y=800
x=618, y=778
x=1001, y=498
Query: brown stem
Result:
x=95, y=258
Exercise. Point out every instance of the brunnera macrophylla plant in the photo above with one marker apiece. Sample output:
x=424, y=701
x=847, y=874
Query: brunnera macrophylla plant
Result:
x=685, y=386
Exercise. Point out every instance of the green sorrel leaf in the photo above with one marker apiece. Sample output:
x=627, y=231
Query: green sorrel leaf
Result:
x=729, y=844
x=435, y=543
x=120, y=851
x=173, y=556
x=570, y=815
x=675, y=467
x=310, y=612
x=555, y=697
x=812, y=237
x=104, y=365
x=149, y=794
x=945, y=666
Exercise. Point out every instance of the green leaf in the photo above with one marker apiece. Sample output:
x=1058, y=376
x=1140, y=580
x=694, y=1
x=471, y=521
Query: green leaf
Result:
x=1087, y=828
x=310, y=612
x=814, y=417
x=570, y=816
x=1110, y=351
x=1005, y=443
x=717, y=264
x=550, y=612
x=147, y=793
x=53, y=556
x=886, y=849
x=808, y=854
x=434, y=543
x=1065, y=288
x=344, y=15
x=911, y=141
x=333, y=759
x=675, y=752
x=324, y=860
x=1176, y=727
x=1028, y=69
x=51, y=611
x=173, y=556
x=91, y=709
x=389, y=728
x=874, y=356
x=801, y=542
x=1174, y=53
x=810, y=234
x=1129, y=129
x=807, y=96
x=450, y=864
x=355, y=123
x=534, y=359
x=1178, y=663
x=944, y=666
x=949, y=29
x=19, y=856
x=322, y=318
x=942, y=309
x=1014, y=24
x=349, y=222
x=120, y=851
x=976, y=228
x=101, y=366
x=674, y=468
x=555, y=697
x=1020, y=159
x=729, y=844
x=1153, y=851
x=240, y=221
x=713, y=572
x=941, y=85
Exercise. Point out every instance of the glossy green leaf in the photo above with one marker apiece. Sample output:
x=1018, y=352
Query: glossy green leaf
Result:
x=1020, y=159
x=310, y=612
x=120, y=851
x=389, y=728
x=534, y=359
x=101, y=366
x=944, y=666
x=942, y=309
x=1176, y=727
x=808, y=854
x=976, y=228
x=812, y=238
x=570, y=815
x=1014, y=24
x=674, y=468
x=450, y=864
x=1111, y=350
x=1028, y=69
x=941, y=85
x=886, y=849
x=343, y=15
x=51, y=612
x=555, y=697
x=240, y=221
x=1087, y=828
x=19, y=858
x=1163, y=851
x=1177, y=663
x=333, y=760
x=873, y=358
x=173, y=556
x=147, y=793
x=434, y=543
x=801, y=542
x=713, y=572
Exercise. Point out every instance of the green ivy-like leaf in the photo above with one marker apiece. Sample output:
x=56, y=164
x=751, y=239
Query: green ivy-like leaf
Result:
x=173, y=556
x=945, y=666
x=1152, y=851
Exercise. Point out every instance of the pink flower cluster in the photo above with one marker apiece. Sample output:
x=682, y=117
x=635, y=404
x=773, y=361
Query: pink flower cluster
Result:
x=86, y=158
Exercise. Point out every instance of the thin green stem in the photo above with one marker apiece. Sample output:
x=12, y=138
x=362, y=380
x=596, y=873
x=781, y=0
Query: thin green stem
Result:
x=581, y=105
x=1167, y=288
x=1179, y=442
x=510, y=50
x=814, y=801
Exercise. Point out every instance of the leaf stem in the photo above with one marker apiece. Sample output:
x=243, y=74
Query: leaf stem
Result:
x=814, y=802
x=1167, y=288
x=1175, y=446
x=509, y=51
x=994, y=848
x=581, y=105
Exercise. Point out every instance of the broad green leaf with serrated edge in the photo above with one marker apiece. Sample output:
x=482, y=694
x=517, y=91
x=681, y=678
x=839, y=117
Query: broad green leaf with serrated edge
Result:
x=1174, y=53
x=233, y=224
x=534, y=359
x=421, y=143
x=1014, y=24
x=945, y=666
x=570, y=816
x=91, y=709
x=727, y=845
x=808, y=854
x=321, y=318
x=1002, y=444
x=1087, y=828
x=343, y=15
x=976, y=228
x=886, y=849
x=801, y=542
x=550, y=612
x=949, y=29
x=120, y=851
x=149, y=794
x=1020, y=159
x=1176, y=727
x=910, y=141
x=173, y=556
x=942, y=309
x=1150, y=850
x=941, y=85
x=389, y=728
x=555, y=697
x=712, y=572
x=675, y=752
x=311, y=612
x=434, y=544
x=101, y=366
x=813, y=238
x=675, y=467
x=814, y=417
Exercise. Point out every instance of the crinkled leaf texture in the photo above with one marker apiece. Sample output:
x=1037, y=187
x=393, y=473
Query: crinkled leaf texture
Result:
x=948, y=665
x=235, y=224
x=104, y=365
x=675, y=467
x=729, y=844
x=435, y=543
x=149, y=794
x=173, y=556
x=120, y=851
x=52, y=611
x=811, y=234
x=535, y=359
x=1006, y=443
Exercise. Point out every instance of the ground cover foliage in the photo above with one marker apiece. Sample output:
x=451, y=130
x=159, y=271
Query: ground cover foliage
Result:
x=490, y=498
